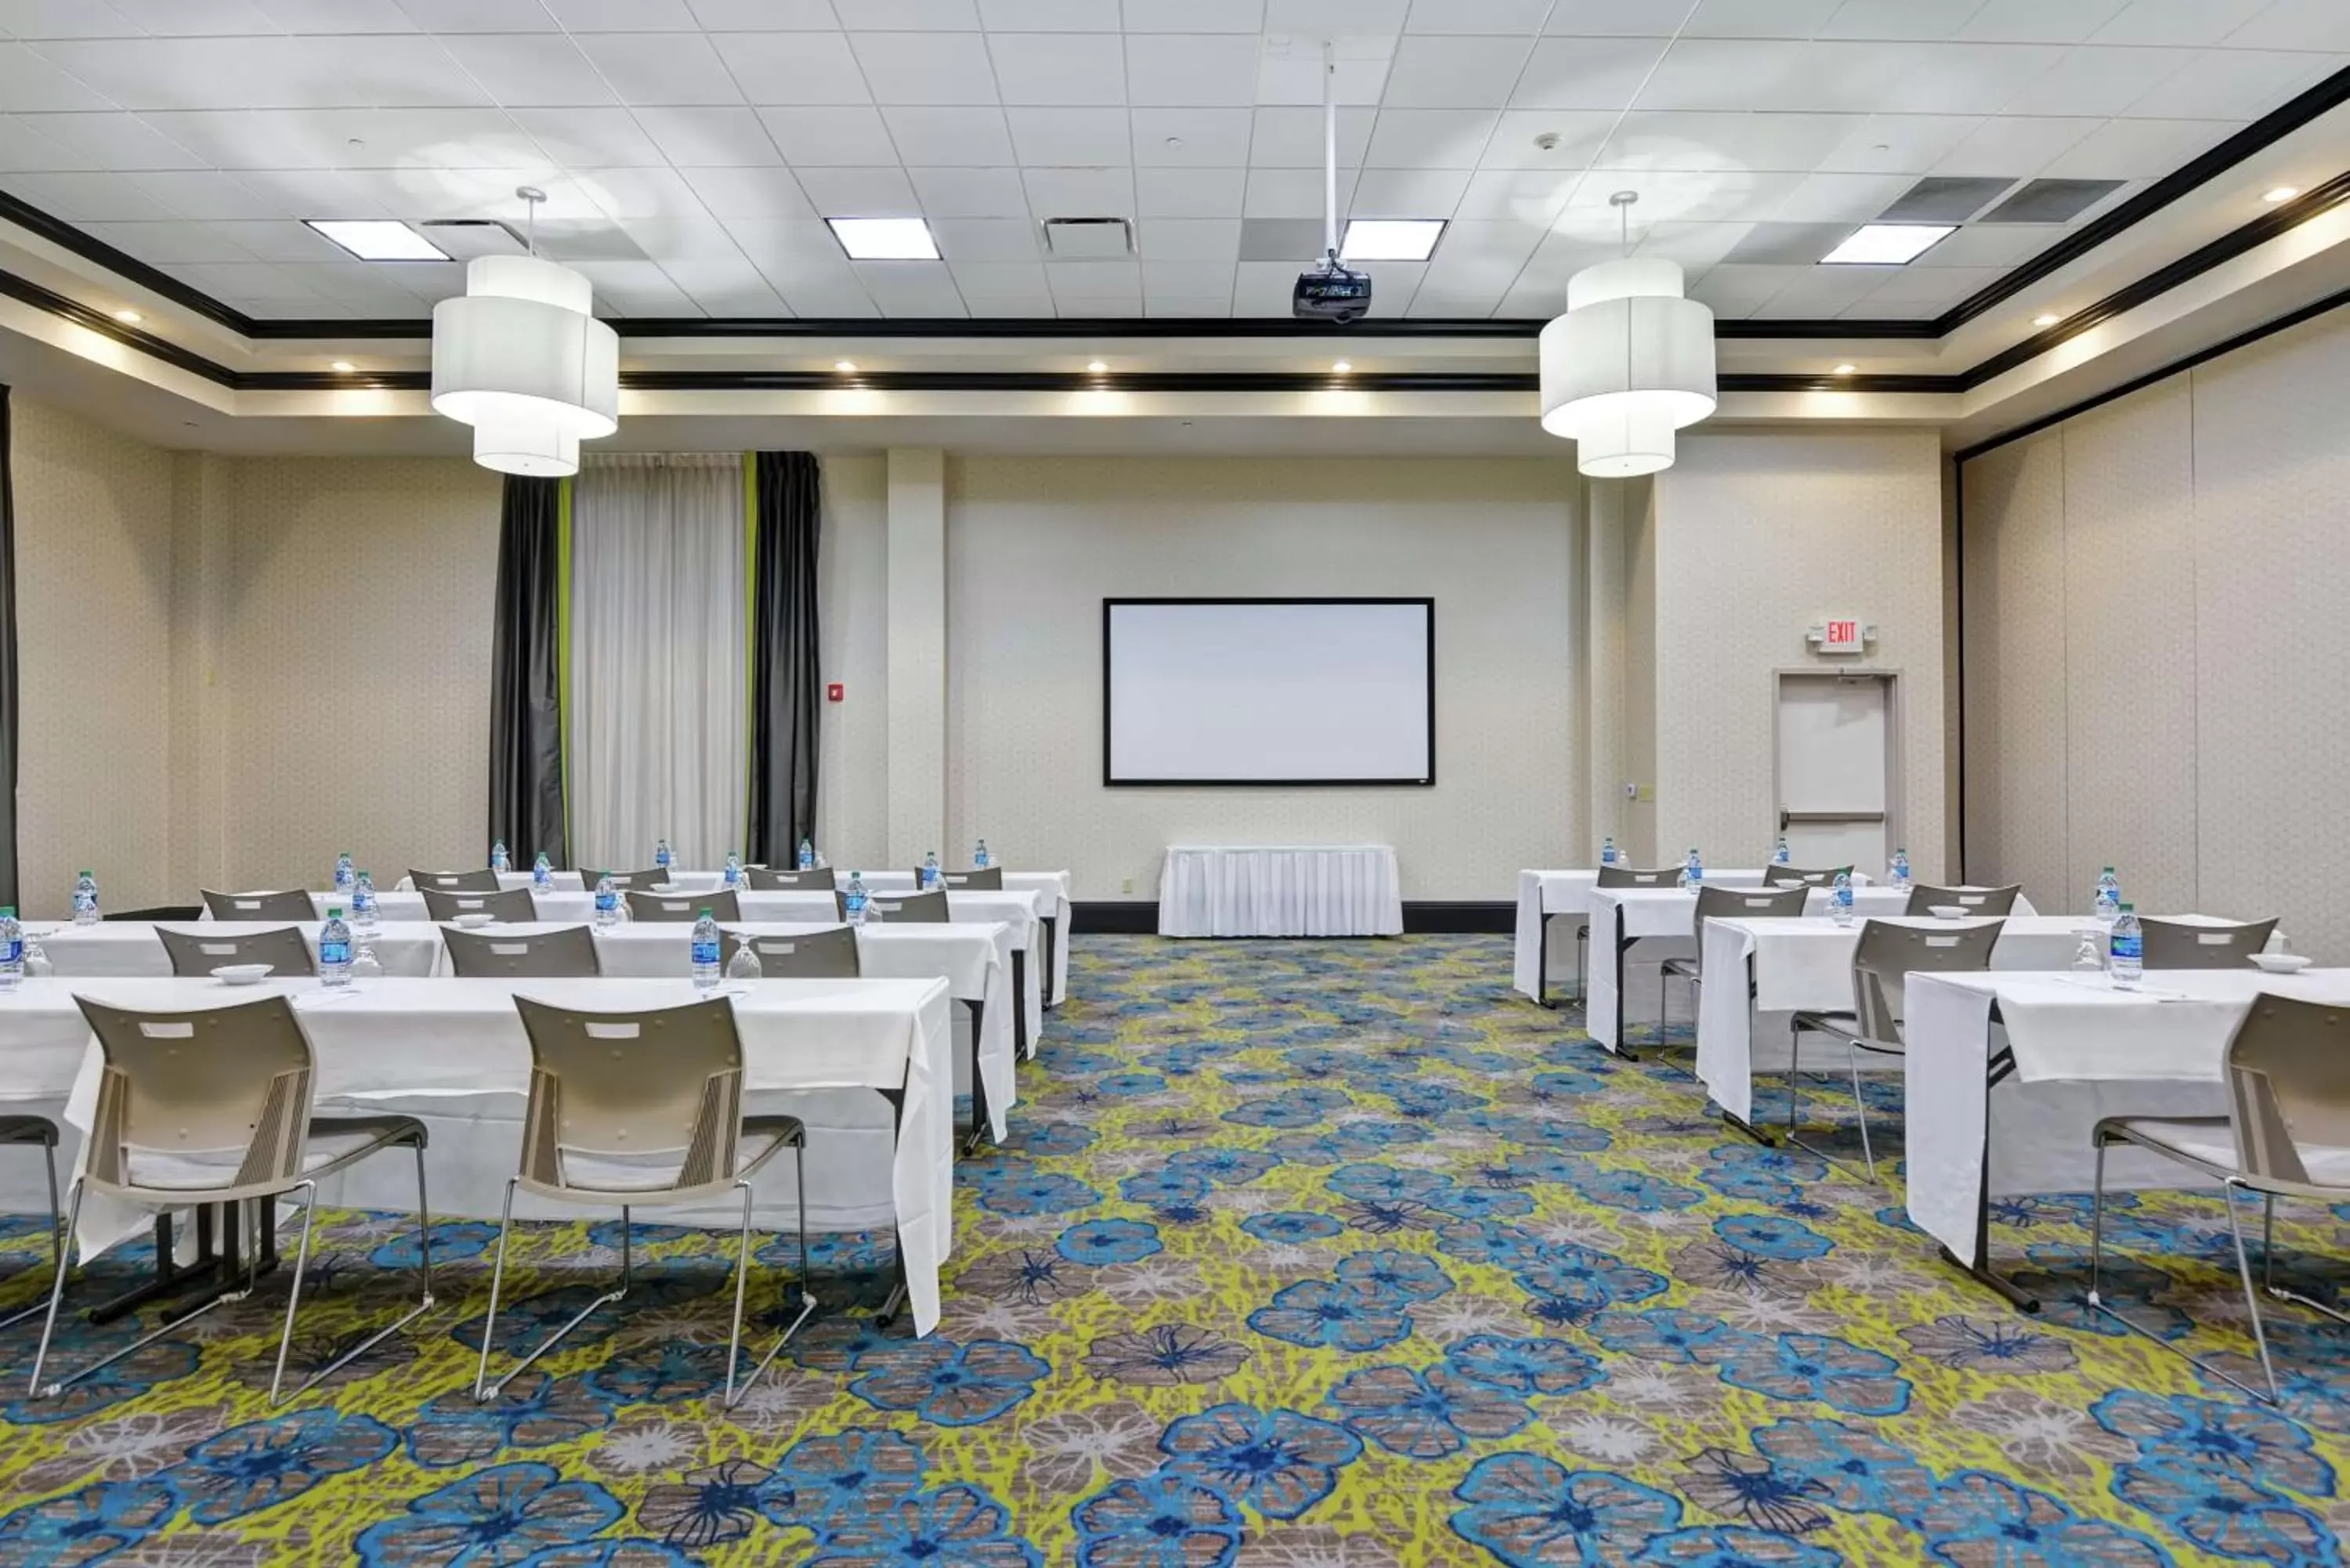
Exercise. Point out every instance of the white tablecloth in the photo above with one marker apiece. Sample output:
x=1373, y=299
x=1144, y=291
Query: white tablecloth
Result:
x=1543, y=895
x=2083, y=1050
x=563, y=882
x=1805, y=965
x=1280, y=890
x=454, y=1053
x=130, y=948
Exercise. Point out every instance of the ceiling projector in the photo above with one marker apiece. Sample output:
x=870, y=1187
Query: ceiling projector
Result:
x=1329, y=292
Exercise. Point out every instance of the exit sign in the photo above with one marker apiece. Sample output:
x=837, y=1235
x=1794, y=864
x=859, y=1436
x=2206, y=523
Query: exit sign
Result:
x=1841, y=634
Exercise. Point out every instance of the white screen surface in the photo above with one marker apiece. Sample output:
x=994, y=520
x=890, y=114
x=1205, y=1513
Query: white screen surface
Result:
x=1269, y=691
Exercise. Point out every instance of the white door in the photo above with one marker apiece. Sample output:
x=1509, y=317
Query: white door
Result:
x=1835, y=770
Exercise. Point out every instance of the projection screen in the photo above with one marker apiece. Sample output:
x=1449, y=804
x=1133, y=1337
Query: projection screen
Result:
x=1269, y=691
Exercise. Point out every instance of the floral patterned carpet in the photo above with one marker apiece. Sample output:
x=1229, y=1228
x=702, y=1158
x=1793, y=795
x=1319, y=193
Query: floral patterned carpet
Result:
x=1303, y=1253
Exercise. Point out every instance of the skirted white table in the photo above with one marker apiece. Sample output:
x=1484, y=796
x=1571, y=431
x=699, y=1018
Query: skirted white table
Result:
x=1280, y=890
x=1558, y=904
x=453, y=1053
x=2007, y=1074
x=129, y=949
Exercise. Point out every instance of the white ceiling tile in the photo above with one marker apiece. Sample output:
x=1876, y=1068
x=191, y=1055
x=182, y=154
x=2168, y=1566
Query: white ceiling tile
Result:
x=1431, y=138
x=925, y=67
x=793, y=67
x=675, y=239
x=82, y=198
x=1291, y=70
x=765, y=16
x=1067, y=136
x=1756, y=18
x=1093, y=279
x=621, y=15
x=244, y=280
x=23, y=147
x=311, y=192
x=847, y=136
x=1828, y=292
x=1695, y=246
x=1288, y=138
x=1409, y=193
x=840, y=300
x=2038, y=21
x=1780, y=142
x=772, y=243
x=1194, y=15
x=1291, y=193
x=942, y=137
x=1060, y=68
x=277, y=240
x=1738, y=290
x=640, y=192
x=1334, y=18
x=2135, y=149
x=1721, y=197
x=749, y=192
x=661, y=68
x=1488, y=17
x=1427, y=306
x=1188, y=71
x=1263, y=288
x=589, y=137
x=1585, y=73
x=1930, y=79
x=64, y=19
x=377, y=16
x=1441, y=71
x=252, y=139
x=1192, y=138
x=1014, y=306
x=1897, y=143
x=1189, y=192
x=1520, y=196
x=1188, y=239
x=752, y=301
x=534, y=68
x=1050, y=15
x=477, y=16
x=2096, y=81
x=2296, y=24
x=1080, y=192
x=1479, y=258
x=1187, y=279
x=970, y=192
x=910, y=287
x=860, y=192
x=910, y=16
x=2177, y=22
x=1985, y=246
x=188, y=18
x=209, y=195
x=167, y=244
x=1612, y=18
x=2017, y=145
x=1173, y=308
x=351, y=283
x=113, y=142
x=2235, y=84
x=1924, y=290
x=1899, y=18
x=986, y=239
x=708, y=136
x=1515, y=145
x=106, y=73
x=1841, y=198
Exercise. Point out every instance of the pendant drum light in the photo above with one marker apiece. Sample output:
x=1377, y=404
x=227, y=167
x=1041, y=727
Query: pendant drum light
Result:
x=1629, y=363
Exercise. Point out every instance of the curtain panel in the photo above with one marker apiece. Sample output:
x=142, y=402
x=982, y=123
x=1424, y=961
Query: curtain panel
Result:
x=526, y=795
x=786, y=504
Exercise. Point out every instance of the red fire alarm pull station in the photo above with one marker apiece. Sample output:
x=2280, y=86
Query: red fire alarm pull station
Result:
x=836, y=693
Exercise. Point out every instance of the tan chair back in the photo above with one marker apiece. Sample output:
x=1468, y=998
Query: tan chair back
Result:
x=634, y=1086
x=978, y=879
x=198, y=952
x=514, y=904
x=682, y=907
x=1775, y=875
x=627, y=879
x=207, y=1080
x=1888, y=952
x=818, y=955
x=568, y=953
x=291, y=905
x=2289, y=1086
x=765, y=880
x=481, y=881
x=1749, y=903
x=1998, y=903
x=2186, y=944
x=910, y=908
x=1626, y=877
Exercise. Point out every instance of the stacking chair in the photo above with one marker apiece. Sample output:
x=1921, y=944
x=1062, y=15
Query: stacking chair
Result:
x=682, y=907
x=1886, y=955
x=2182, y=944
x=514, y=904
x=566, y=954
x=2286, y=1133
x=1775, y=875
x=820, y=955
x=610, y=1092
x=37, y=1132
x=1730, y=903
x=212, y=1104
x=197, y=953
x=766, y=879
x=978, y=879
x=903, y=908
x=1624, y=876
x=1996, y=902
x=482, y=881
x=624, y=880
x=293, y=905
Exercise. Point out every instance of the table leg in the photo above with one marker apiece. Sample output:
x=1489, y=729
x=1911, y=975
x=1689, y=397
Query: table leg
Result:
x=1979, y=1269
x=897, y=1298
x=209, y=1273
x=1052, y=924
x=1541, y=957
x=1620, y=1048
x=1020, y=1002
x=979, y=1128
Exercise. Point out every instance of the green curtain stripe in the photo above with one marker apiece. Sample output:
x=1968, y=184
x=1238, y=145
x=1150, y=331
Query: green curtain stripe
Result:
x=563, y=656
x=750, y=640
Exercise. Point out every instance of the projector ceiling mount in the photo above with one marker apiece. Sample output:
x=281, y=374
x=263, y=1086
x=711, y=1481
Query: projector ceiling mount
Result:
x=1327, y=291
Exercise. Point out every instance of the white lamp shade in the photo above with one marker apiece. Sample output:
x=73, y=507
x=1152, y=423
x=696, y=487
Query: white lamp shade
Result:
x=541, y=450
x=499, y=359
x=1620, y=438
x=1629, y=363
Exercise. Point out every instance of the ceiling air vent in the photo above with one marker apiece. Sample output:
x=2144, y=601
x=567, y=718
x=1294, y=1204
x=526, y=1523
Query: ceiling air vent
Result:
x=1088, y=239
x=2052, y=202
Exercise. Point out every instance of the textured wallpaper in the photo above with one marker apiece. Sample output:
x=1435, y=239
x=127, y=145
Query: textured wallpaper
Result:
x=1034, y=545
x=853, y=746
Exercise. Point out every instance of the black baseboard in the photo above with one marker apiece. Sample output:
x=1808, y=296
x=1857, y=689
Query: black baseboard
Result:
x=1140, y=917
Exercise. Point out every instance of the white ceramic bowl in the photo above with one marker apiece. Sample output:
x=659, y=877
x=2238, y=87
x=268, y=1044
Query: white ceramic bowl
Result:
x=473, y=921
x=2281, y=963
x=1947, y=911
x=1788, y=882
x=243, y=973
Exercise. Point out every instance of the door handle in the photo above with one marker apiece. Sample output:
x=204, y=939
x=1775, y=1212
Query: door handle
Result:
x=1787, y=817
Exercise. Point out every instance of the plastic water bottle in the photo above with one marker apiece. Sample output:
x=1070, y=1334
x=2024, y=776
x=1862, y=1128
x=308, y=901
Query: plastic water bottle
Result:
x=607, y=903
x=1607, y=856
x=979, y=856
x=734, y=869
x=542, y=873
x=706, y=952
x=2129, y=948
x=500, y=861
x=85, y=902
x=2089, y=957
x=12, y=949
x=744, y=965
x=363, y=915
x=853, y=899
x=343, y=873
x=661, y=856
x=334, y=950
x=1693, y=872
x=1779, y=854
x=2107, y=902
x=1901, y=869
x=931, y=869
x=808, y=854
x=1840, y=900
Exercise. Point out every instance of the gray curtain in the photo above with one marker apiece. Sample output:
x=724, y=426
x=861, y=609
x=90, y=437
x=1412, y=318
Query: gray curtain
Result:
x=8, y=706
x=787, y=680
x=526, y=804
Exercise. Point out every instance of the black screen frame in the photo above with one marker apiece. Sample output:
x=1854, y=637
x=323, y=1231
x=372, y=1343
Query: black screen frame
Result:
x=1426, y=603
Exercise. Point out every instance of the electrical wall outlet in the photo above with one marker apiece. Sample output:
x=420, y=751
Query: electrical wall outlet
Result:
x=1127, y=886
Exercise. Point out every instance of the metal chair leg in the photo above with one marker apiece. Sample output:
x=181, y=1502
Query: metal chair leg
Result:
x=1794, y=1079
x=424, y=1306
x=2243, y=1275
x=56, y=1242
x=57, y=1295
x=1861, y=1106
x=293, y=1294
x=627, y=1278
x=742, y=1274
x=2251, y=1298
x=39, y=1390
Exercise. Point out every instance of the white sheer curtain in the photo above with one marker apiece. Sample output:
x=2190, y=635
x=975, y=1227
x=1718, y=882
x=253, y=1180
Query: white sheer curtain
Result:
x=658, y=694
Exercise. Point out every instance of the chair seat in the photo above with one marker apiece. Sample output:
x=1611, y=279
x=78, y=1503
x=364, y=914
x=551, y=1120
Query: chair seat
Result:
x=648, y=1179
x=2209, y=1143
x=335, y=1144
x=1686, y=968
x=28, y=1130
x=1845, y=1026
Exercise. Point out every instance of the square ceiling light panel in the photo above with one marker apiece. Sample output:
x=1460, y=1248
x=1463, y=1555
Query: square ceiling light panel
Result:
x=1391, y=239
x=1887, y=245
x=885, y=239
x=377, y=239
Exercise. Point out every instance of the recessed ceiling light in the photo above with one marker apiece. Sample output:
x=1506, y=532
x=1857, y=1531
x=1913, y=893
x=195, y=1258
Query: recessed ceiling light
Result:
x=342, y=367
x=2276, y=194
x=1341, y=367
x=846, y=367
x=1390, y=239
x=2046, y=318
x=1845, y=369
x=377, y=239
x=1097, y=368
x=128, y=317
x=1887, y=245
x=885, y=239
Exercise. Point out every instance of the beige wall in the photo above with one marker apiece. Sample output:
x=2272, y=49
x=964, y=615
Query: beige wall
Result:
x=2154, y=645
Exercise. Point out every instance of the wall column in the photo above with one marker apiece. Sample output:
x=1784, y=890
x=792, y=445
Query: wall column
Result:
x=918, y=653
